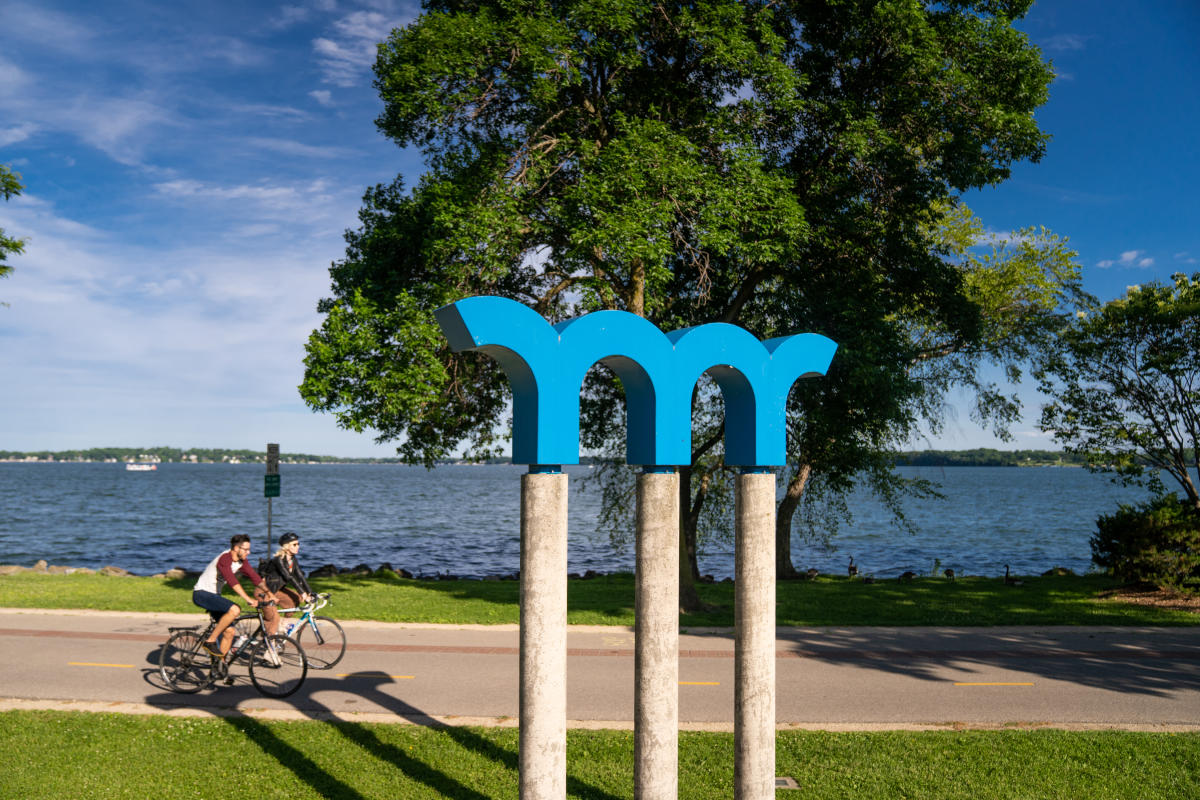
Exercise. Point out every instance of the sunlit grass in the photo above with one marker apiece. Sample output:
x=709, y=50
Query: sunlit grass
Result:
x=64, y=754
x=608, y=600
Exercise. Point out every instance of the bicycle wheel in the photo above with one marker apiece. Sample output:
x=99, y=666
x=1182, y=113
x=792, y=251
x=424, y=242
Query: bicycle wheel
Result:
x=246, y=625
x=278, y=666
x=184, y=664
x=324, y=642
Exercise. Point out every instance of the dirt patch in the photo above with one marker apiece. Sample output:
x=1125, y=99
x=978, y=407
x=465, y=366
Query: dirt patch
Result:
x=1154, y=596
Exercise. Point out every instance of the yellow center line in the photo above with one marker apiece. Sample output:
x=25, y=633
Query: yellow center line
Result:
x=375, y=675
x=699, y=683
x=994, y=684
x=94, y=664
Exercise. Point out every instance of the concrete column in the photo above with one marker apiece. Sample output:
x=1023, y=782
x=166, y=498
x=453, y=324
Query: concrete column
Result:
x=754, y=654
x=543, y=734
x=656, y=655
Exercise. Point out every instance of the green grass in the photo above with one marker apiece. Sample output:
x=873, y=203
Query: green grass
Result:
x=1068, y=600
x=65, y=754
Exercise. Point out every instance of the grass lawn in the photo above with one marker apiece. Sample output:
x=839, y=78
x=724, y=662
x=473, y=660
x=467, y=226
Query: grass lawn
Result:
x=836, y=601
x=66, y=754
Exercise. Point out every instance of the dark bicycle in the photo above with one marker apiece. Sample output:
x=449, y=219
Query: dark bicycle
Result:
x=276, y=663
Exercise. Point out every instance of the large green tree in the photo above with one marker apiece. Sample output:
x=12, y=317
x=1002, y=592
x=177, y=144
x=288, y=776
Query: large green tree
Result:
x=1124, y=384
x=10, y=185
x=783, y=167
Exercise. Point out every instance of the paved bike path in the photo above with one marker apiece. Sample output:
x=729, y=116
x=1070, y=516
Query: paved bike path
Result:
x=827, y=678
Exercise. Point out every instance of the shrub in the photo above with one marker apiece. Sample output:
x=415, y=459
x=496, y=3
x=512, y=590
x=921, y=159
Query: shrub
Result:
x=1157, y=542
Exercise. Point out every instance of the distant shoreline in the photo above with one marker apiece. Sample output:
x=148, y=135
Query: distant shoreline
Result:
x=981, y=457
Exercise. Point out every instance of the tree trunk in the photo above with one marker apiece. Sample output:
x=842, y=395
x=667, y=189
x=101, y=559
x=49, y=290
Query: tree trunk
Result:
x=783, y=522
x=689, y=598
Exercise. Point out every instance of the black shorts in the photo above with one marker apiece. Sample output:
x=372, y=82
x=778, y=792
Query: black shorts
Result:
x=214, y=604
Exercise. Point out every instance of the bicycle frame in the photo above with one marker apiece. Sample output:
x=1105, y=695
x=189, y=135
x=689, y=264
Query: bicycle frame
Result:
x=307, y=616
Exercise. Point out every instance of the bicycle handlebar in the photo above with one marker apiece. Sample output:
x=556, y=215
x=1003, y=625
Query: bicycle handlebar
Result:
x=321, y=601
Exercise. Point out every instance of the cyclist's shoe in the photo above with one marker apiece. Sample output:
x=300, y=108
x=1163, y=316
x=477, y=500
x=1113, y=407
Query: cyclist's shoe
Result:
x=270, y=655
x=214, y=649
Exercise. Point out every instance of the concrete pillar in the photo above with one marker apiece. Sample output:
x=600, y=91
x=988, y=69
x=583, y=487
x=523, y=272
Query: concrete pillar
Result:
x=656, y=654
x=543, y=699
x=754, y=646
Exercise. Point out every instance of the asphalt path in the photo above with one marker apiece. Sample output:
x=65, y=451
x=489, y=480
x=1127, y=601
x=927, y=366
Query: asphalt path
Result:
x=827, y=678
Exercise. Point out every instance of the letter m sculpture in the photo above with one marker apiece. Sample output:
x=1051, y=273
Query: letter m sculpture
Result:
x=546, y=366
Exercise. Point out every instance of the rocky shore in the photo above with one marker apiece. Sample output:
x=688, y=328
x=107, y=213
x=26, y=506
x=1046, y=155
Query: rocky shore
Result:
x=326, y=571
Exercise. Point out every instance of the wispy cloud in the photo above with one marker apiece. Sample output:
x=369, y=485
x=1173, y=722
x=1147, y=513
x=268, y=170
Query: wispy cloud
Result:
x=47, y=28
x=1185, y=258
x=292, y=148
x=1128, y=259
x=1065, y=42
x=322, y=96
x=16, y=134
x=270, y=201
x=348, y=53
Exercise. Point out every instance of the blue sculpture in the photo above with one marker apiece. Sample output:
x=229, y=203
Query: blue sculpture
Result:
x=546, y=365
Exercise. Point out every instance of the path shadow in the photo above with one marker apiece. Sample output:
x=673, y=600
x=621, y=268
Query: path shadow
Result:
x=1135, y=661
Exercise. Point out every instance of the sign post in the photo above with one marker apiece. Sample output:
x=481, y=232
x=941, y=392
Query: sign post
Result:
x=271, y=487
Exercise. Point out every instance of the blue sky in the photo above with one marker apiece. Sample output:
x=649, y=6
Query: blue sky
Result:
x=190, y=170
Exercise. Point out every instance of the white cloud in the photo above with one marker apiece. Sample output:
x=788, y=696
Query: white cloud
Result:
x=47, y=28
x=257, y=204
x=272, y=111
x=289, y=16
x=16, y=134
x=322, y=96
x=1185, y=258
x=292, y=148
x=1065, y=42
x=347, y=54
x=12, y=78
x=1129, y=259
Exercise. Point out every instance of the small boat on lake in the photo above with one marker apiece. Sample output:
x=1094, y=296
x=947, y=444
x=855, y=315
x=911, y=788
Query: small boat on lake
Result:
x=141, y=467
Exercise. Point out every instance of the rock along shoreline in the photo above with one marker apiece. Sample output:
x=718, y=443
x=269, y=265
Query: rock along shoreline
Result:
x=325, y=571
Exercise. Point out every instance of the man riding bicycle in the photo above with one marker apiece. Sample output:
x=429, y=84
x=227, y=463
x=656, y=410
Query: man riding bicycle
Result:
x=225, y=569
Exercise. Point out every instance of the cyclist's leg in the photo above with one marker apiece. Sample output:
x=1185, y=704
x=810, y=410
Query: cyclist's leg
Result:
x=288, y=598
x=228, y=611
x=269, y=612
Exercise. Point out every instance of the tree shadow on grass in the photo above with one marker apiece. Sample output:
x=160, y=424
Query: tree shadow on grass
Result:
x=369, y=685
x=225, y=701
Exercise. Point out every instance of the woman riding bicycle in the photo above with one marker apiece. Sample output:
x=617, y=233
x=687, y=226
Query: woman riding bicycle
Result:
x=283, y=570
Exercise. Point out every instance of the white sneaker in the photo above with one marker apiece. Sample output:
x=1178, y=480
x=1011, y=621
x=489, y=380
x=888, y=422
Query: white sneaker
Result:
x=272, y=656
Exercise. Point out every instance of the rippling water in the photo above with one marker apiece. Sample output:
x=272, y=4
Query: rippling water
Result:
x=465, y=519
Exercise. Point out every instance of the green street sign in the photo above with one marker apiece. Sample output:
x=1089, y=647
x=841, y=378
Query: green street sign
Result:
x=271, y=486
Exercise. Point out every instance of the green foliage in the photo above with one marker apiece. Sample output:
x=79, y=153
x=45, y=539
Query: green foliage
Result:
x=54, y=754
x=1156, y=542
x=1124, y=383
x=10, y=186
x=688, y=162
x=780, y=167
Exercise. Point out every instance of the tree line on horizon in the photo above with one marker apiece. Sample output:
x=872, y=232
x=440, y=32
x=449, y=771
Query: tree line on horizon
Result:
x=978, y=457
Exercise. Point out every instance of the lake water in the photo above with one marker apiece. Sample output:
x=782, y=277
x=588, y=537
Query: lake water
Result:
x=464, y=520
